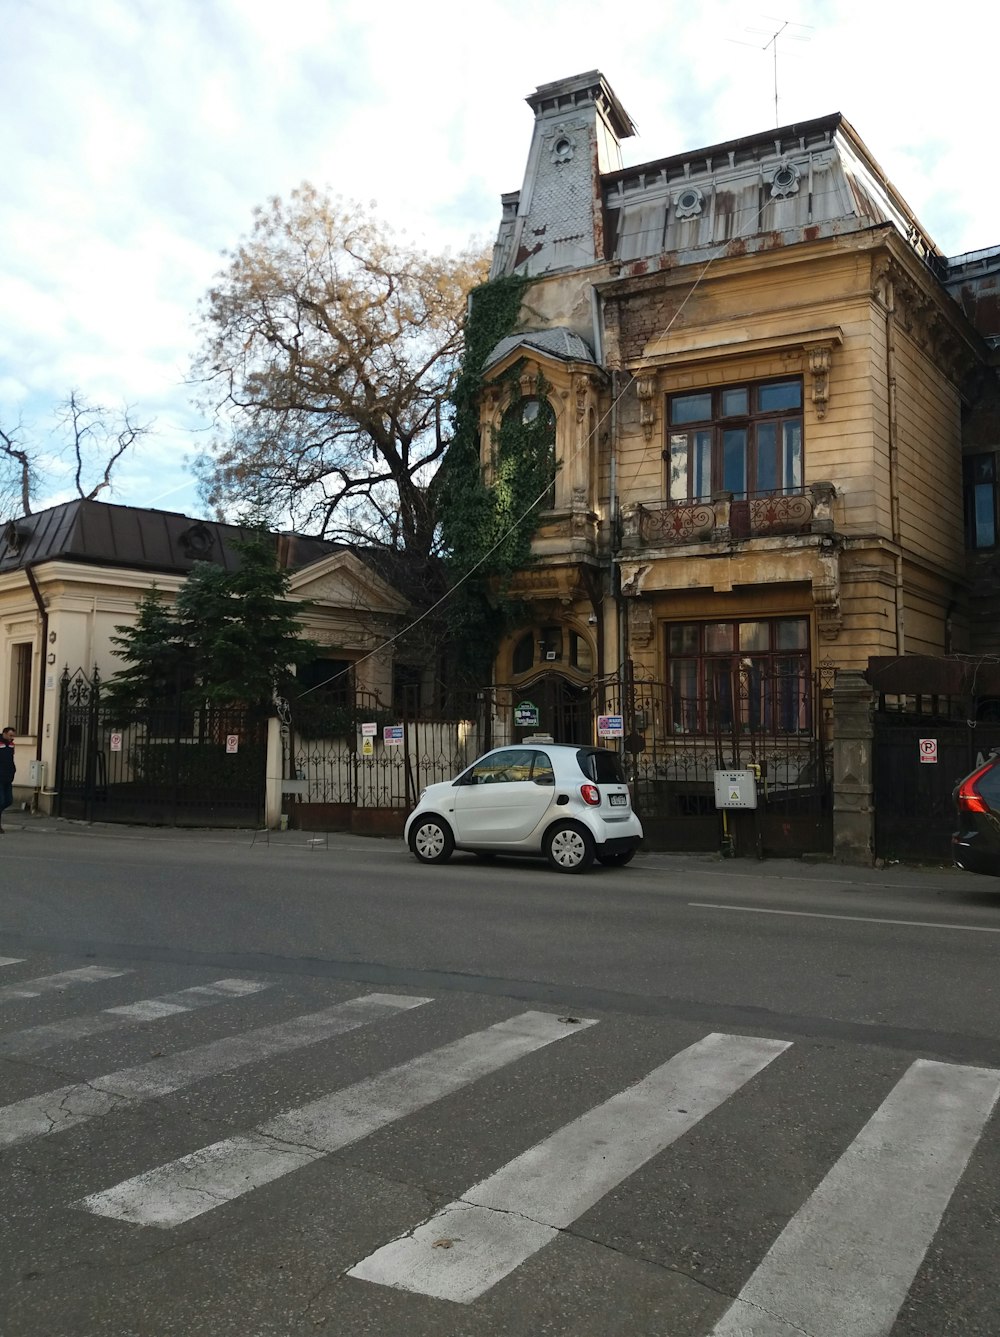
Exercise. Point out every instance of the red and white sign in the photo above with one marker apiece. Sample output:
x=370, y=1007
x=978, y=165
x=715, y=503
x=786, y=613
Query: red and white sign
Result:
x=116, y=742
x=232, y=742
x=928, y=751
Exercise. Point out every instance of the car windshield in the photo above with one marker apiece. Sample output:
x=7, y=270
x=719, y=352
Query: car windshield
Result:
x=601, y=765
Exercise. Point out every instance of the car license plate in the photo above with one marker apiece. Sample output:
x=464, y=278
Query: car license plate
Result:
x=619, y=800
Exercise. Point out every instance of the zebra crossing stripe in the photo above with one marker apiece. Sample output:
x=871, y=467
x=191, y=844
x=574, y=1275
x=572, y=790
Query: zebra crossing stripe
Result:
x=11, y=960
x=35, y=1038
x=54, y=983
x=503, y=1220
x=844, y=1264
x=194, y=1184
x=69, y=1105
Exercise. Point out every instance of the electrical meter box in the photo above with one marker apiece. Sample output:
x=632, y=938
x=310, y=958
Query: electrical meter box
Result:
x=36, y=774
x=735, y=789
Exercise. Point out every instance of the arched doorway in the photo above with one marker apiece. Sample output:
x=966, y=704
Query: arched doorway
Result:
x=564, y=709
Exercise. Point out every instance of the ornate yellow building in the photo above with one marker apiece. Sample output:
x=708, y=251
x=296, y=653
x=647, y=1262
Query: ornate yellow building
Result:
x=755, y=376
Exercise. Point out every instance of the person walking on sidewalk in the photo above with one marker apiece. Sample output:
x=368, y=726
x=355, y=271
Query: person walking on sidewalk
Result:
x=7, y=771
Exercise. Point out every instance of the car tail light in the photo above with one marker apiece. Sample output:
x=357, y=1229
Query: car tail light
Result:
x=968, y=799
x=591, y=794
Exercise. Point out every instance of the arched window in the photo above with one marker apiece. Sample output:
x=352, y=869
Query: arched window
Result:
x=524, y=653
x=530, y=422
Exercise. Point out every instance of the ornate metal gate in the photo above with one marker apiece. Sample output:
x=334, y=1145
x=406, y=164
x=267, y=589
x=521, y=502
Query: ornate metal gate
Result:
x=775, y=723
x=165, y=767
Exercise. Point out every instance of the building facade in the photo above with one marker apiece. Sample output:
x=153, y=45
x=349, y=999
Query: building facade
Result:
x=757, y=377
x=71, y=574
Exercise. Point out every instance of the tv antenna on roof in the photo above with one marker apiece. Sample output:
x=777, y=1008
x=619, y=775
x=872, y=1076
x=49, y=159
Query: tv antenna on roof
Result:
x=772, y=42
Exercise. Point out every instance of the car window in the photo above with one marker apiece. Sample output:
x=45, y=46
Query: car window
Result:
x=513, y=763
x=542, y=772
x=602, y=766
x=989, y=787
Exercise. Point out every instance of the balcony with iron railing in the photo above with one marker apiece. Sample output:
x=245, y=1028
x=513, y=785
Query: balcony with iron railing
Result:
x=804, y=510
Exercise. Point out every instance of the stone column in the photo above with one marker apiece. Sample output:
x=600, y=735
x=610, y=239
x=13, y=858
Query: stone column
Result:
x=853, y=748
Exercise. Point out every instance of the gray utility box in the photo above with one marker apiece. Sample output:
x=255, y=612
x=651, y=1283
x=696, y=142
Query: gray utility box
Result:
x=735, y=789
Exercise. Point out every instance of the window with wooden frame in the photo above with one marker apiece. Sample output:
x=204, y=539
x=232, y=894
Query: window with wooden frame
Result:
x=748, y=676
x=20, y=687
x=743, y=439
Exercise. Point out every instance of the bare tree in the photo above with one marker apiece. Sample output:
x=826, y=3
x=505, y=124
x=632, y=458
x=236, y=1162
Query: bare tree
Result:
x=329, y=351
x=96, y=438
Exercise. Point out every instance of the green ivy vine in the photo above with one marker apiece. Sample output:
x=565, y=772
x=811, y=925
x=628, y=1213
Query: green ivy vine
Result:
x=494, y=522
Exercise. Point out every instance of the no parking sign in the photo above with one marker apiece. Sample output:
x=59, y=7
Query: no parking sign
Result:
x=928, y=751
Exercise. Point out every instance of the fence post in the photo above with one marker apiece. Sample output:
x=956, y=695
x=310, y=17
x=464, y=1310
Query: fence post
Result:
x=853, y=735
x=273, y=774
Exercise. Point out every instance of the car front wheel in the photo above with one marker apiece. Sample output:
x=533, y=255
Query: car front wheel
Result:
x=431, y=840
x=569, y=848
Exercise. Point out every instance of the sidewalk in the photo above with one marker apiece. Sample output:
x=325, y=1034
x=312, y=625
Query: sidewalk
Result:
x=822, y=872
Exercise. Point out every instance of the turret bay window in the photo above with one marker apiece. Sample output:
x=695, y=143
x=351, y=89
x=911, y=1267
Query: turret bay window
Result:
x=747, y=676
x=743, y=439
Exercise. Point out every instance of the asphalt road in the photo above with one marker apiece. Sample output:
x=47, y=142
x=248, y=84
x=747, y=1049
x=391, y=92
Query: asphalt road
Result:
x=298, y=1086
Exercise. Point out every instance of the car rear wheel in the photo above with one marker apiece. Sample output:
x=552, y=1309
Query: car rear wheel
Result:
x=618, y=860
x=569, y=848
x=431, y=840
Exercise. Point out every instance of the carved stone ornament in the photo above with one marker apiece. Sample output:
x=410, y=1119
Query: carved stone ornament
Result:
x=820, y=359
x=826, y=600
x=640, y=622
x=645, y=388
x=581, y=386
x=562, y=144
x=689, y=202
x=785, y=181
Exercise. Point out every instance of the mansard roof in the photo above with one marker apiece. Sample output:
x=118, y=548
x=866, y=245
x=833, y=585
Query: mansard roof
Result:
x=798, y=182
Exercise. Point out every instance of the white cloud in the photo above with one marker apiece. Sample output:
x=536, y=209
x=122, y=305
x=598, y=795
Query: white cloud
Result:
x=139, y=136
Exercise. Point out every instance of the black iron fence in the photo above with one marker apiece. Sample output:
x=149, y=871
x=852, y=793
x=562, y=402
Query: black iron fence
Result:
x=923, y=747
x=169, y=766
x=773, y=722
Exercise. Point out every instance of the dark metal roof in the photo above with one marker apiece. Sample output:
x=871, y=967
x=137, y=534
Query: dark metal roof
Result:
x=100, y=534
x=559, y=341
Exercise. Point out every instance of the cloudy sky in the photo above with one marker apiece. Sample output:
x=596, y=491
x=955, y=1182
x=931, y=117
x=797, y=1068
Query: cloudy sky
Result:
x=138, y=135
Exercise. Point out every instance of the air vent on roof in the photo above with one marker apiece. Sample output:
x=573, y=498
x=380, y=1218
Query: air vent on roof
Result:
x=196, y=543
x=16, y=536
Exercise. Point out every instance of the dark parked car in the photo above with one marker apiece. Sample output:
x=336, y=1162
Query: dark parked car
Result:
x=976, y=845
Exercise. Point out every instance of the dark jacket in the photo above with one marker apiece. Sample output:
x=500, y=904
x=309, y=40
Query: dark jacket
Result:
x=7, y=767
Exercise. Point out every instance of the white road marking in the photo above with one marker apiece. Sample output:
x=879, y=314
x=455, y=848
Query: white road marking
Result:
x=503, y=1220
x=185, y=1188
x=843, y=1265
x=854, y=919
x=11, y=960
x=55, y=983
x=35, y=1038
x=69, y=1105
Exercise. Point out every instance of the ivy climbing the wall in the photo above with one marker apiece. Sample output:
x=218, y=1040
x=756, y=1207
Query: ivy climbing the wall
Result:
x=492, y=524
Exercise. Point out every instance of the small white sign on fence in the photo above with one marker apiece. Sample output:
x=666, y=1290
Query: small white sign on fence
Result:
x=232, y=743
x=369, y=729
x=116, y=742
x=928, y=751
x=610, y=726
x=392, y=735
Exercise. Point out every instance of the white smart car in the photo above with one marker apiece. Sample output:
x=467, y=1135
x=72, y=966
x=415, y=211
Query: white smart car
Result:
x=570, y=804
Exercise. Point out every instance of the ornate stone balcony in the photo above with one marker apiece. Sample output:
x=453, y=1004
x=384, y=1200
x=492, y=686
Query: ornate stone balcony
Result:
x=724, y=519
